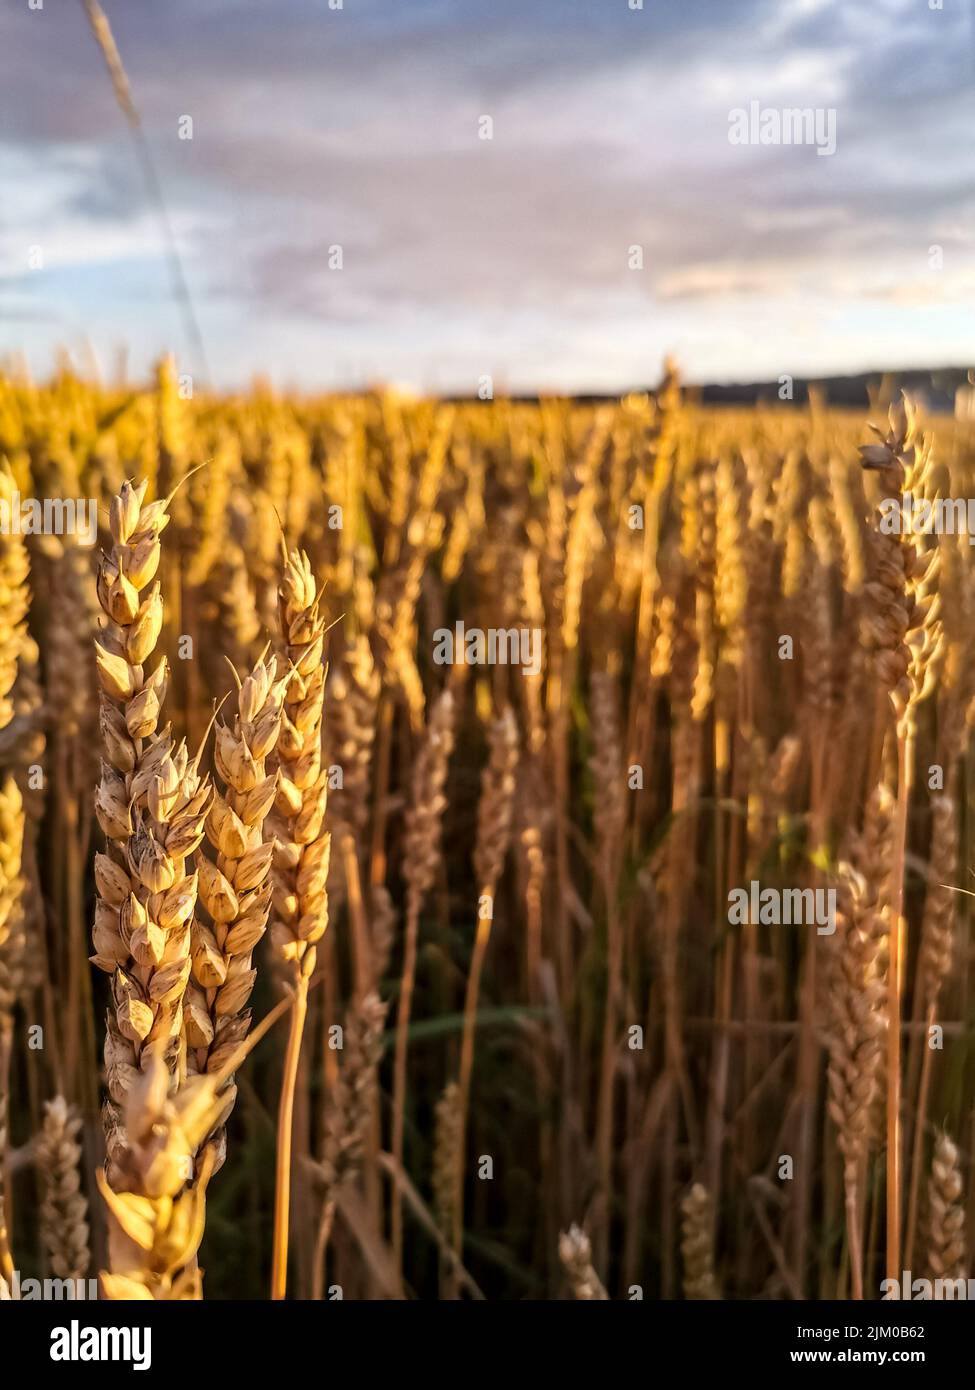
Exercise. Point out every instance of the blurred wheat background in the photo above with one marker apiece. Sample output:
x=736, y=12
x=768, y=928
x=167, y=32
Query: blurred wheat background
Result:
x=599, y=1085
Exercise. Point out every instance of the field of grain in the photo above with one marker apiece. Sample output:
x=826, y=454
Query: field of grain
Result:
x=344, y=956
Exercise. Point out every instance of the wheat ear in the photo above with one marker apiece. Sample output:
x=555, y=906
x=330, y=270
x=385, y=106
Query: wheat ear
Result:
x=353, y=698
x=697, y=1244
x=904, y=634
x=947, y=1256
x=446, y=1160
x=575, y=1252
x=493, y=837
x=301, y=853
x=14, y=604
x=235, y=891
x=14, y=601
x=151, y=803
x=857, y=997
x=421, y=856
x=64, y=1208
x=933, y=965
x=609, y=817
x=156, y=1218
x=348, y=1118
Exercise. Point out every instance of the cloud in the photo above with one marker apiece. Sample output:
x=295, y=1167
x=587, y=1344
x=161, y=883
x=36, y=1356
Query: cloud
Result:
x=720, y=281
x=359, y=127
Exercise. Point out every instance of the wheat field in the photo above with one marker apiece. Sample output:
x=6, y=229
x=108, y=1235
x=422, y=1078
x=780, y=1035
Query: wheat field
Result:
x=377, y=792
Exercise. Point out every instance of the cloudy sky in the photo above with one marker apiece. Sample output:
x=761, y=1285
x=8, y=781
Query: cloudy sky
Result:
x=359, y=128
